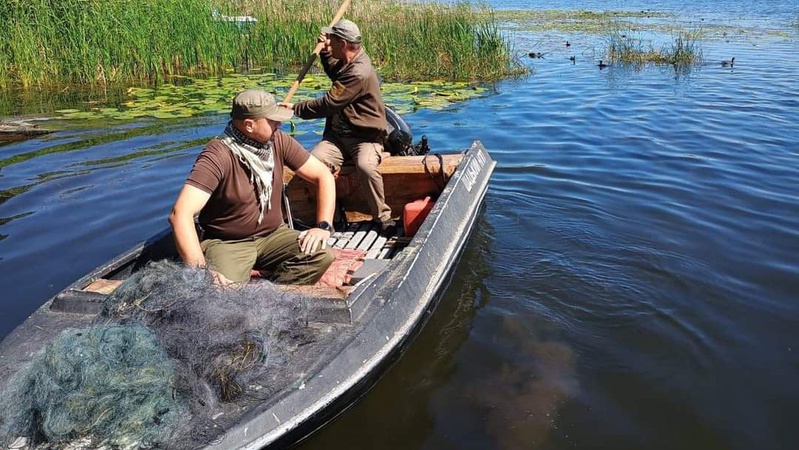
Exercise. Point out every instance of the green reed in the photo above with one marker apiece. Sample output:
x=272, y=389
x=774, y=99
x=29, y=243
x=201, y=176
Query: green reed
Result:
x=624, y=48
x=51, y=42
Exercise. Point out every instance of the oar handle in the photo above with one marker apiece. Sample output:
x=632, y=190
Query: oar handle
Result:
x=316, y=50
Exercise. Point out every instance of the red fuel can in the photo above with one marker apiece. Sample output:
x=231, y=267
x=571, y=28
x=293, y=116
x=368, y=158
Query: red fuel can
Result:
x=414, y=214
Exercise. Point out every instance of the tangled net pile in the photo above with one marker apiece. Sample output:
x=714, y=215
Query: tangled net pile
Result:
x=168, y=347
x=111, y=381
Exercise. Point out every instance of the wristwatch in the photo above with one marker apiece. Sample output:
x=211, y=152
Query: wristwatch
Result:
x=325, y=225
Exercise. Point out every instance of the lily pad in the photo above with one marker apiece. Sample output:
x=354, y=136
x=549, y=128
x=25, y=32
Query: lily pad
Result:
x=205, y=96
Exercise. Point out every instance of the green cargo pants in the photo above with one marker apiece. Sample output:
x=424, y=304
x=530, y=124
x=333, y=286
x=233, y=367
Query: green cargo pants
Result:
x=278, y=254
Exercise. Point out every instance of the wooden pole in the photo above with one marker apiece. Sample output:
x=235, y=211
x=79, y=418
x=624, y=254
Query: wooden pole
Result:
x=315, y=53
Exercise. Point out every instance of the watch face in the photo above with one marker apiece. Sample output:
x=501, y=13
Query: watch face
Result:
x=325, y=226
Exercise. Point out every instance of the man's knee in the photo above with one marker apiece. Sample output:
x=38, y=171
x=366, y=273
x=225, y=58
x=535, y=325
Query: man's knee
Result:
x=305, y=269
x=233, y=260
x=328, y=154
x=327, y=259
x=321, y=261
x=369, y=158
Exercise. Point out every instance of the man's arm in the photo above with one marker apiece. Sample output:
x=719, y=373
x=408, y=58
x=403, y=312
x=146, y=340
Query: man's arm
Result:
x=343, y=91
x=318, y=174
x=189, y=203
x=331, y=65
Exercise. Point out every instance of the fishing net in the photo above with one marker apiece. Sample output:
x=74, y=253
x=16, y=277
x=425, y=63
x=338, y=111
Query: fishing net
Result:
x=112, y=382
x=226, y=337
x=212, y=346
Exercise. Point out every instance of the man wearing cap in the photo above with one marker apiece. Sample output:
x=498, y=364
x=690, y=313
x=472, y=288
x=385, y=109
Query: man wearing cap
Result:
x=355, y=114
x=235, y=187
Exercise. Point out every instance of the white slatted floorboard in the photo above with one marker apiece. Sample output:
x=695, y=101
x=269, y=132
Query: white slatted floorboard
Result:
x=365, y=236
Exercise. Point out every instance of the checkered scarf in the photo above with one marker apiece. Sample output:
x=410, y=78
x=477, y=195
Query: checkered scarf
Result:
x=258, y=158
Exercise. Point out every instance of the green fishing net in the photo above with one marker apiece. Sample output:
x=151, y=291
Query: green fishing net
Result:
x=112, y=382
x=169, y=349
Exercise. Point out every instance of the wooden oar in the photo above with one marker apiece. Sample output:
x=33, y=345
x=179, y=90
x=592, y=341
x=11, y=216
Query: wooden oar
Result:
x=315, y=53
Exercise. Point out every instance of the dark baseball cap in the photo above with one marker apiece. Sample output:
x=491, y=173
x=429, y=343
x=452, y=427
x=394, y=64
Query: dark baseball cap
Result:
x=256, y=104
x=345, y=29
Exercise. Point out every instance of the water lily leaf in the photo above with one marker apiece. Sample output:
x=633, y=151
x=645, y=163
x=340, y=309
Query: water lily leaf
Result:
x=80, y=115
x=206, y=96
x=162, y=115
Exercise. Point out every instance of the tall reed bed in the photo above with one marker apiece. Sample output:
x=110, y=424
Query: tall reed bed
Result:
x=107, y=41
x=456, y=42
x=103, y=41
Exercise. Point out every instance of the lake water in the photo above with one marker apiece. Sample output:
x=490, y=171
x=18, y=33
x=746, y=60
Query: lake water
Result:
x=632, y=283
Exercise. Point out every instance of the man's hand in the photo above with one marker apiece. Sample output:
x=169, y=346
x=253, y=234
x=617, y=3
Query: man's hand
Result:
x=221, y=280
x=324, y=39
x=312, y=240
x=286, y=105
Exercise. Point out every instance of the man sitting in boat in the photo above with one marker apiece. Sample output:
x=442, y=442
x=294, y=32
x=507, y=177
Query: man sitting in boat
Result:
x=355, y=125
x=235, y=186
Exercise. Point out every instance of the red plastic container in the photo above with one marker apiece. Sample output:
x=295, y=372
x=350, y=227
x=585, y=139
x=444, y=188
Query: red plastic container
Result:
x=414, y=214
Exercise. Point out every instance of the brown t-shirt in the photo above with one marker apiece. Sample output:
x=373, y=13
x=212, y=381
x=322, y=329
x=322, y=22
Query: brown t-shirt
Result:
x=232, y=211
x=353, y=105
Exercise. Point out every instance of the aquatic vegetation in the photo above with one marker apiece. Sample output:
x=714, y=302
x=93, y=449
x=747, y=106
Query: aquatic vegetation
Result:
x=572, y=20
x=113, y=41
x=202, y=96
x=625, y=48
x=622, y=30
x=442, y=42
x=604, y=22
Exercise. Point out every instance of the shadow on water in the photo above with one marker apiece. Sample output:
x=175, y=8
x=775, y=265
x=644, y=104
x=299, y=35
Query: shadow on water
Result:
x=44, y=101
x=458, y=375
x=517, y=400
x=396, y=413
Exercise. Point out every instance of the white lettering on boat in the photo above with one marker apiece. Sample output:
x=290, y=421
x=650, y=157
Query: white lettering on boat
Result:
x=473, y=170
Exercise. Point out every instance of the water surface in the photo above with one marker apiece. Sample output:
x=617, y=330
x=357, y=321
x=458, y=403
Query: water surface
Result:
x=632, y=283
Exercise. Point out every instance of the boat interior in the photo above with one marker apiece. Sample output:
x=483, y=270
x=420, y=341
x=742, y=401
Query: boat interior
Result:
x=334, y=316
x=411, y=183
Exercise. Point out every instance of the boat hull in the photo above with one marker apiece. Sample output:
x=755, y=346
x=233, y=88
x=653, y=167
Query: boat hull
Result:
x=406, y=293
x=384, y=313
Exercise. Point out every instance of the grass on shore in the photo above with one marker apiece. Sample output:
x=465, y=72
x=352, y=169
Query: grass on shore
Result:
x=120, y=41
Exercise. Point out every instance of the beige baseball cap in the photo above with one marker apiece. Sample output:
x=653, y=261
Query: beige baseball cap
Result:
x=345, y=29
x=256, y=104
